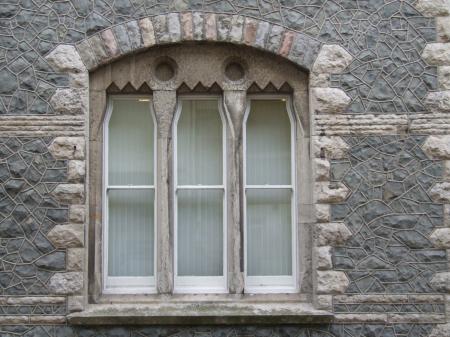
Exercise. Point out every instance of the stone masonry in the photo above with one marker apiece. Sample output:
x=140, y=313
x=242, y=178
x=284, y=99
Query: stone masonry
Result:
x=379, y=93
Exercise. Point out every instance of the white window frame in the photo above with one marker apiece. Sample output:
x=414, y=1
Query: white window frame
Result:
x=125, y=284
x=272, y=284
x=199, y=284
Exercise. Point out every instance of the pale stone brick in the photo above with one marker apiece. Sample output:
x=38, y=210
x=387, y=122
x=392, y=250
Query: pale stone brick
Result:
x=66, y=59
x=77, y=213
x=97, y=48
x=75, y=259
x=210, y=27
x=261, y=34
x=444, y=77
x=437, y=54
x=329, y=100
x=443, y=28
x=438, y=101
x=329, y=147
x=441, y=330
x=332, y=234
x=433, y=7
x=322, y=169
x=69, y=101
x=110, y=43
x=186, y=26
x=67, y=236
x=237, y=27
x=323, y=258
x=76, y=171
x=441, y=238
x=250, y=29
x=440, y=192
x=286, y=43
x=322, y=212
x=174, y=28
x=69, y=193
x=75, y=303
x=147, y=32
x=66, y=283
x=441, y=282
x=437, y=147
x=331, y=282
x=197, y=20
x=67, y=148
x=332, y=59
x=330, y=193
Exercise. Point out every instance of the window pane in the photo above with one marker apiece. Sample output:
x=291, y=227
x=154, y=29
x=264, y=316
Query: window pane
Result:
x=130, y=156
x=200, y=233
x=131, y=233
x=200, y=143
x=269, y=234
x=268, y=143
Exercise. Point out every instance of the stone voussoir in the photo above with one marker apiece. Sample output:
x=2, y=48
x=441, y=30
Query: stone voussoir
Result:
x=67, y=148
x=69, y=193
x=326, y=192
x=66, y=283
x=331, y=282
x=67, y=236
x=332, y=233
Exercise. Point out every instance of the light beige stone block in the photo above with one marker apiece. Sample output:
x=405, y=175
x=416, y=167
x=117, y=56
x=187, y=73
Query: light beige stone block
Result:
x=329, y=100
x=332, y=59
x=77, y=213
x=67, y=236
x=65, y=58
x=441, y=330
x=147, y=32
x=322, y=169
x=75, y=259
x=323, y=258
x=329, y=147
x=440, y=192
x=70, y=101
x=438, y=102
x=67, y=148
x=441, y=238
x=76, y=171
x=69, y=193
x=441, y=282
x=322, y=212
x=66, y=283
x=433, y=7
x=331, y=282
x=332, y=234
x=443, y=28
x=437, y=147
x=437, y=54
x=330, y=192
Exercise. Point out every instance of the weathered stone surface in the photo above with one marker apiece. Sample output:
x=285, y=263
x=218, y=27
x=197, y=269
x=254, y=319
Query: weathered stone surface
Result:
x=433, y=7
x=443, y=28
x=322, y=169
x=323, y=258
x=174, y=28
x=444, y=77
x=441, y=238
x=329, y=100
x=210, y=27
x=237, y=26
x=69, y=193
x=332, y=59
x=330, y=192
x=441, y=282
x=329, y=147
x=75, y=303
x=32, y=300
x=75, y=259
x=76, y=171
x=440, y=192
x=441, y=330
x=66, y=283
x=186, y=26
x=67, y=148
x=46, y=319
x=110, y=43
x=67, y=236
x=69, y=101
x=147, y=32
x=331, y=282
x=322, y=212
x=332, y=234
x=438, y=101
x=437, y=147
x=65, y=58
x=324, y=302
x=437, y=54
x=77, y=213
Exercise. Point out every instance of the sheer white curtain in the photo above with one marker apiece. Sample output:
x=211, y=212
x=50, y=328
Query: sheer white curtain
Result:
x=130, y=189
x=200, y=189
x=268, y=189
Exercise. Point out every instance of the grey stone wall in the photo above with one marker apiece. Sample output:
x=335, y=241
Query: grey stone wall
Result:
x=389, y=184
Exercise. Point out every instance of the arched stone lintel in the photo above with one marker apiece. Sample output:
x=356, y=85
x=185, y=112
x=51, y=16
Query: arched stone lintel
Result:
x=133, y=36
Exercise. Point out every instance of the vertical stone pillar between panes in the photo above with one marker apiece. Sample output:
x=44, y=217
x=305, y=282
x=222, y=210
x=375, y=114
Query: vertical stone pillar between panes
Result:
x=164, y=105
x=235, y=105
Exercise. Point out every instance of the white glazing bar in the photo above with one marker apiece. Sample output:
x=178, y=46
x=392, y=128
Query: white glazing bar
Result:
x=281, y=187
x=200, y=187
x=131, y=187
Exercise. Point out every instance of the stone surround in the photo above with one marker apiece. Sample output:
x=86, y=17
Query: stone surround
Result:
x=380, y=145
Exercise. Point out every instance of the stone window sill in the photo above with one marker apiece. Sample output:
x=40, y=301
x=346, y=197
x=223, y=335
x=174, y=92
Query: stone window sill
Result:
x=198, y=313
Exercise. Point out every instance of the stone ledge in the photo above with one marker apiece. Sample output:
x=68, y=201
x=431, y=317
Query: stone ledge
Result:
x=200, y=313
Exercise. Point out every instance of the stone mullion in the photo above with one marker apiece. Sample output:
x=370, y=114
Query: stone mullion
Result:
x=164, y=105
x=235, y=105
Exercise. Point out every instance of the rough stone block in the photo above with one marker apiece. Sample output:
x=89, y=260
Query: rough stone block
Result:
x=332, y=234
x=87, y=56
x=237, y=27
x=197, y=25
x=330, y=193
x=323, y=258
x=76, y=171
x=443, y=28
x=65, y=58
x=332, y=59
x=77, y=213
x=173, y=27
x=441, y=330
x=250, y=28
x=322, y=212
x=331, y=282
x=186, y=26
x=110, y=43
x=98, y=49
x=322, y=169
x=261, y=34
x=444, y=76
x=324, y=302
x=329, y=147
x=441, y=282
x=441, y=238
x=75, y=303
x=210, y=27
x=75, y=259
x=69, y=193
x=147, y=32
x=286, y=43
x=438, y=101
x=67, y=236
x=437, y=147
x=437, y=54
x=66, y=283
x=46, y=319
x=440, y=192
x=329, y=100
x=69, y=101
x=433, y=7
x=67, y=148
